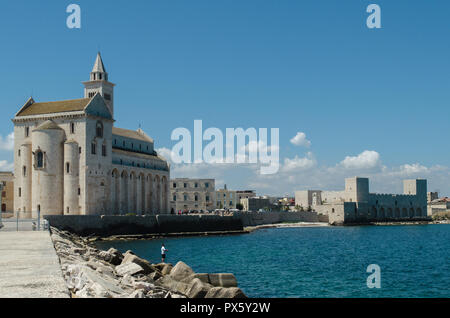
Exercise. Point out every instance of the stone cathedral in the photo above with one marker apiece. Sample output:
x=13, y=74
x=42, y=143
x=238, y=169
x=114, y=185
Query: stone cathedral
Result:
x=69, y=159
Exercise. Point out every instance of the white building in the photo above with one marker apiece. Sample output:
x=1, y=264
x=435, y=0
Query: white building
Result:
x=192, y=194
x=357, y=204
x=69, y=159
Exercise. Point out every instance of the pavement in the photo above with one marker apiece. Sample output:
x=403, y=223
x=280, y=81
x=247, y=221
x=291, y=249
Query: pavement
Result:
x=29, y=266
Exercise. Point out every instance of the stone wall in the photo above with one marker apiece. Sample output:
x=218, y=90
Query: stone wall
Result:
x=107, y=225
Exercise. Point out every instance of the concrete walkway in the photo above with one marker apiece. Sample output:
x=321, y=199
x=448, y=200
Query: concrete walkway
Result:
x=29, y=266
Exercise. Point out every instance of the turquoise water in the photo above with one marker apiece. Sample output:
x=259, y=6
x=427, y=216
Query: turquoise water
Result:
x=317, y=262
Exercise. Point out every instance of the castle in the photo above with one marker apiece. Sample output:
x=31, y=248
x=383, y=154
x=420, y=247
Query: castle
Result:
x=69, y=159
x=355, y=204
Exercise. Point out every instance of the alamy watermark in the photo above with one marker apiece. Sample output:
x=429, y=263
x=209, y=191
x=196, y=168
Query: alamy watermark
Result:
x=251, y=146
x=374, y=279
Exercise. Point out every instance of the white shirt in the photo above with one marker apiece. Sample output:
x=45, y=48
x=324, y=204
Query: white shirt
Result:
x=163, y=250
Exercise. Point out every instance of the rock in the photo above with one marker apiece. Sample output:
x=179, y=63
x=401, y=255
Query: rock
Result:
x=140, y=293
x=129, y=268
x=223, y=292
x=112, y=256
x=181, y=271
x=166, y=269
x=223, y=280
x=99, y=291
x=144, y=286
x=155, y=276
x=171, y=284
x=127, y=280
x=131, y=258
x=198, y=289
x=203, y=277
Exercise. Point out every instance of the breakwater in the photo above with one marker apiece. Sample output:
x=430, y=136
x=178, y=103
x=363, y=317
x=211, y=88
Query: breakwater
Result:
x=110, y=225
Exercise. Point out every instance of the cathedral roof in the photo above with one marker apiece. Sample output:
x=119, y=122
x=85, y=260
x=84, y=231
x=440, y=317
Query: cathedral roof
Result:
x=133, y=134
x=55, y=107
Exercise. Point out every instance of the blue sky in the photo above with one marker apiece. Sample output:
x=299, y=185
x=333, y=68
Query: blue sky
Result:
x=378, y=97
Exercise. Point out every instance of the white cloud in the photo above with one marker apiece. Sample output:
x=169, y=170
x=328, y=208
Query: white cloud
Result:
x=366, y=160
x=6, y=166
x=295, y=164
x=300, y=140
x=7, y=143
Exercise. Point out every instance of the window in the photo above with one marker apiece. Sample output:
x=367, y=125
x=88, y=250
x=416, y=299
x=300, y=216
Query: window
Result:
x=174, y=197
x=99, y=129
x=93, y=148
x=185, y=197
x=196, y=197
x=185, y=185
x=123, y=143
x=27, y=131
x=206, y=185
x=39, y=160
x=3, y=194
x=72, y=128
x=104, y=150
x=107, y=97
x=20, y=192
x=115, y=141
x=67, y=167
x=3, y=207
x=174, y=185
x=18, y=153
x=196, y=185
x=79, y=150
x=231, y=202
x=24, y=171
x=67, y=210
x=79, y=191
x=207, y=198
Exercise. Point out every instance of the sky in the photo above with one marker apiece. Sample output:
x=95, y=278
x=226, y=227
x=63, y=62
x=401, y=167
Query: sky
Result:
x=348, y=100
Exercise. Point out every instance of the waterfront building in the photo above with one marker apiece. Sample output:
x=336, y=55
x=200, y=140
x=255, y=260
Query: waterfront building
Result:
x=439, y=205
x=7, y=205
x=69, y=159
x=192, y=194
x=254, y=204
x=431, y=196
x=226, y=199
x=357, y=204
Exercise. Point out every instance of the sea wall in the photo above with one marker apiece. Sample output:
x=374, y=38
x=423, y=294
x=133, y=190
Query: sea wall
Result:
x=261, y=218
x=109, y=225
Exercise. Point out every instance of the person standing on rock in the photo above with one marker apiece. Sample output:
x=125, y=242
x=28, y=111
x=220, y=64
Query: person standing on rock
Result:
x=163, y=253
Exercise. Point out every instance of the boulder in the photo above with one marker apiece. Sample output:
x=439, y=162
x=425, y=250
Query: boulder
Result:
x=181, y=271
x=166, y=269
x=129, y=268
x=223, y=280
x=155, y=276
x=112, y=256
x=223, y=292
x=203, y=277
x=173, y=285
x=197, y=289
x=131, y=258
x=146, y=287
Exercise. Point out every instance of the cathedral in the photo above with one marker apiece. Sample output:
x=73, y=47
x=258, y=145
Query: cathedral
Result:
x=69, y=159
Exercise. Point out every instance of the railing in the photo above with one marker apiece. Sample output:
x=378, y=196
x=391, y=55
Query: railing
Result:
x=16, y=224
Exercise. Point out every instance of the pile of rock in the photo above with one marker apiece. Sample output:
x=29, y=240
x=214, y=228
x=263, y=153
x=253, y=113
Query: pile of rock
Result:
x=90, y=272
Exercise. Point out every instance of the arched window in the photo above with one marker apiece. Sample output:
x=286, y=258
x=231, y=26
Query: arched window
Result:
x=39, y=159
x=24, y=171
x=72, y=128
x=67, y=167
x=99, y=129
x=93, y=148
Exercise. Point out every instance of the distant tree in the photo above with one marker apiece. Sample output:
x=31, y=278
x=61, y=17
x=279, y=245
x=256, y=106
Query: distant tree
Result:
x=239, y=206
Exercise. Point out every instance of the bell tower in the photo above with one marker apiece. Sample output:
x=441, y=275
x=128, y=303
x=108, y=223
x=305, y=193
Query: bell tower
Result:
x=98, y=83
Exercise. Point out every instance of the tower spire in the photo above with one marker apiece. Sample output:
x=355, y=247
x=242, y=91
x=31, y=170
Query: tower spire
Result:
x=98, y=72
x=98, y=83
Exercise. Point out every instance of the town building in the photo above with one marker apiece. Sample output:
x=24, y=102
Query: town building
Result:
x=255, y=204
x=7, y=204
x=70, y=159
x=431, y=196
x=439, y=205
x=356, y=204
x=192, y=195
x=226, y=199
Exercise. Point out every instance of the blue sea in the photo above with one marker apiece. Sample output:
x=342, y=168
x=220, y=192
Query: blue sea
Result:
x=414, y=260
